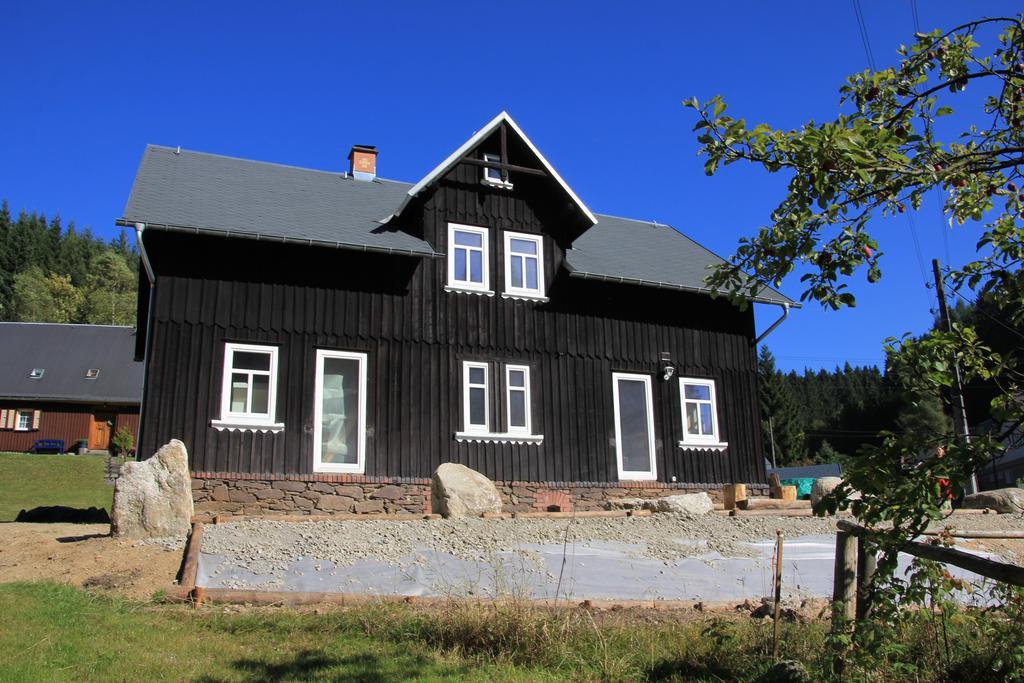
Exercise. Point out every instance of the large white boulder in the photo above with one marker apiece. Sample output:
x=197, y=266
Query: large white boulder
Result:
x=684, y=503
x=153, y=498
x=457, y=491
x=1000, y=500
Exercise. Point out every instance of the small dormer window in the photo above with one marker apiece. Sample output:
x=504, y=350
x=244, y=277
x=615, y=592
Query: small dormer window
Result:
x=492, y=175
x=92, y=373
x=37, y=373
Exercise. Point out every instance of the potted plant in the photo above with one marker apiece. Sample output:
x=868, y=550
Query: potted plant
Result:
x=122, y=443
x=82, y=446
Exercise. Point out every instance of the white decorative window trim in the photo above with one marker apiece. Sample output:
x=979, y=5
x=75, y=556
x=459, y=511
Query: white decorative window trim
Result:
x=508, y=437
x=483, y=287
x=247, y=421
x=27, y=415
x=625, y=475
x=688, y=446
x=487, y=179
x=524, y=291
x=318, y=464
x=234, y=426
x=524, y=297
x=463, y=290
x=469, y=427
x=527, y=399
x=700, y=441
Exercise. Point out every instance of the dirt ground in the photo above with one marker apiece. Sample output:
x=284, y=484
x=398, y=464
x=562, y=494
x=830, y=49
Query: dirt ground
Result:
x=85, y=555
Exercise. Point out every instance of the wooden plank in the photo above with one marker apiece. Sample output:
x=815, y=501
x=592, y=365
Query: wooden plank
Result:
x=190, y=568
x=773, y=504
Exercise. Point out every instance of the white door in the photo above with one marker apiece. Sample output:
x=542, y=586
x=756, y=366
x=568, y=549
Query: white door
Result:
x=634, y=426
x=339, y=412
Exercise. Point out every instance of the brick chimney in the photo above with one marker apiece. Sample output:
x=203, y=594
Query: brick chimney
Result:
x=362, y=162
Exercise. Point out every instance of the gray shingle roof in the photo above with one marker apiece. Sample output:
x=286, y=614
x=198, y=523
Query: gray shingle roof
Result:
x=645, y=253
x=183, y=190
x=211, y=193
x=65, y=353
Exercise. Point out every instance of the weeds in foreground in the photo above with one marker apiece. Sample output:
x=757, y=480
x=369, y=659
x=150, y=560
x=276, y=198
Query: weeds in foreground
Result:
x=53, y=632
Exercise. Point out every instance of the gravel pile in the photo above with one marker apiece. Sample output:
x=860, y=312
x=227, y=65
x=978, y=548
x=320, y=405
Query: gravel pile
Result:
x=266, y=547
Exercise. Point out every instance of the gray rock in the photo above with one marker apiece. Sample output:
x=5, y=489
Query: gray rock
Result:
x=1000, y=500
x=684, y=503
x=457, y=491
x=822, y=487
x=786, y=671
x=153, y=498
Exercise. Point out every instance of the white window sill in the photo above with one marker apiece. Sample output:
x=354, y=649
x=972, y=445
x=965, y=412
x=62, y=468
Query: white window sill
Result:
x=466, y=290
x=698, y=446
x=338, y=469
x=500, y=438
x=637, y=476
x=524, y=297
x=241, y=426
x=501, y=184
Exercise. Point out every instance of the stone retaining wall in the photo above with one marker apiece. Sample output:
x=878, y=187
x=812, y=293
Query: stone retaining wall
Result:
x=254, y=494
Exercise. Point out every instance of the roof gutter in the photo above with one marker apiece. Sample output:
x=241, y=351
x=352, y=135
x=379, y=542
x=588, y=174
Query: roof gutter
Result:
x=668, y=285
x=771, y=328
x=260, y=237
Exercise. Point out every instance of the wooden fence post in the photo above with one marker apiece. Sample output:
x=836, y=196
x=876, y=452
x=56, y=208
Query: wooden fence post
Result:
x=844, y=590
x=867, y=562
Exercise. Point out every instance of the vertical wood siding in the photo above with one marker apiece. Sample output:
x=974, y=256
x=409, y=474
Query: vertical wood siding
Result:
x=213, y=290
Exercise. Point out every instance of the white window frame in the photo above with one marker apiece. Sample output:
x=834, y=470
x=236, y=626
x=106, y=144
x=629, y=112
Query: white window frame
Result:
x=454, y=285
x=28, y=416
x=467, y=427
x=528, y=427
x=239, y=420
x=524, y=292
x=487, y=179
x=709, y=441
x=318, y=411
x=630, y=475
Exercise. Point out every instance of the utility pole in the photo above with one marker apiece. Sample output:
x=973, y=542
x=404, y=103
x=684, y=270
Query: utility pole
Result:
x=957, y=392
x=771, y=438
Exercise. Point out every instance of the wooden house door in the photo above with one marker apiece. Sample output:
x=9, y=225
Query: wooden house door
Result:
x=100, y=432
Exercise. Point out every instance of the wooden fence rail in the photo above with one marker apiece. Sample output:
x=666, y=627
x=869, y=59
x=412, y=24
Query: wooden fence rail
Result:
x=855, y=566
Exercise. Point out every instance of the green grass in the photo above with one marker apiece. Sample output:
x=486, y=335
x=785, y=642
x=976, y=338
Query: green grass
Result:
x=57, y=633
x=53, y=632
x=28, y=481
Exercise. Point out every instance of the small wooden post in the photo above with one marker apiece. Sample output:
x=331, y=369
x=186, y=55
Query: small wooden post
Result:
x=844, y=590
x=778, y=593
x=775, y=485
x=867, y=562
x=732, y=494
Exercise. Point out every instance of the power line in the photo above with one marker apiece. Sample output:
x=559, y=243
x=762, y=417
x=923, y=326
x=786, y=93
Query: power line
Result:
x=917, y=252
x=977, y=307
x=943, y=227
x=862, y=27
x=913, y=12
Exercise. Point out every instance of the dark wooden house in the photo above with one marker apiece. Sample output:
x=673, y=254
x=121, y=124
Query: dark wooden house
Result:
x=324, y=340
x=62, y=384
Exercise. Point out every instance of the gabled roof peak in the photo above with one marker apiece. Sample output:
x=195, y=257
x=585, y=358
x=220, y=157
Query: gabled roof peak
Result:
x=475, y=140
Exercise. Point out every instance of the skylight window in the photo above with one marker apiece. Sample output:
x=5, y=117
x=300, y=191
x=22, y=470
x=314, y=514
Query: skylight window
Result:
x=492, y=175
x=37, y=373
x=92, y=373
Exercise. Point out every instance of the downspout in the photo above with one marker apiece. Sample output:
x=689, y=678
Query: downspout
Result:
x=148, y=267
x=771, y=328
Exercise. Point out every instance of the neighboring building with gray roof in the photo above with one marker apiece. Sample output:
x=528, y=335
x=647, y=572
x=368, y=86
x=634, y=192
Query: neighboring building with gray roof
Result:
x=337, y=329
x=67, y=383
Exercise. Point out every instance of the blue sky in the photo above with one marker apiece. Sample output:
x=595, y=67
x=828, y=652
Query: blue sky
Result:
x=596, y=87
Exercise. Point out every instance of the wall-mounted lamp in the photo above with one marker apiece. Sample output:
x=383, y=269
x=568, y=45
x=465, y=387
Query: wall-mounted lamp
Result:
x=667, y=369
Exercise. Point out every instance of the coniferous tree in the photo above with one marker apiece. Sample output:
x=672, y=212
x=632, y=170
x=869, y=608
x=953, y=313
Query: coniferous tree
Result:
x=782, y=424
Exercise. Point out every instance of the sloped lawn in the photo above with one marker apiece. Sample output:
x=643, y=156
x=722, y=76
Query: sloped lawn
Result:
x=28, y=481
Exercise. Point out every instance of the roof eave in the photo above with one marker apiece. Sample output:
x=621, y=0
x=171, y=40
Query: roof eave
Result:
x=785, y=301
x=262, y=237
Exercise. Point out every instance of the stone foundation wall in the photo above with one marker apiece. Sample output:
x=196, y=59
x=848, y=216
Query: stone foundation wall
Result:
x=326, y=494
x=294, y=497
